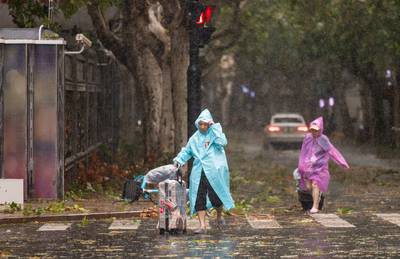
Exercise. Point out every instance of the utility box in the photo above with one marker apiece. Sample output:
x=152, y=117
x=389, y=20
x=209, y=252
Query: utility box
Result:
x=11, y=190
x=32, y=111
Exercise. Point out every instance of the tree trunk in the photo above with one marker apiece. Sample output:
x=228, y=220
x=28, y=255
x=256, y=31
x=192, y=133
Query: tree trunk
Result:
x=127, y=106
x=344, y=110
x=152, y=100
x=378, y=122
x=167, y=116
x=396, y=112
x=148, y=30
x=179, y=65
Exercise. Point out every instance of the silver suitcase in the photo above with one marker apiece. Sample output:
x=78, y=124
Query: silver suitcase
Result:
x=172, y=206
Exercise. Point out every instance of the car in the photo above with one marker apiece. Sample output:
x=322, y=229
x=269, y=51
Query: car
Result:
x=285, y=129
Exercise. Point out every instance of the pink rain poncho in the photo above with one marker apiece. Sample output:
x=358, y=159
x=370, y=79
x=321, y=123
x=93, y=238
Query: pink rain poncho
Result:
x=314, y=157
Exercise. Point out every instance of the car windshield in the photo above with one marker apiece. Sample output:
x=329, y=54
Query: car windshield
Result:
x=287, y=120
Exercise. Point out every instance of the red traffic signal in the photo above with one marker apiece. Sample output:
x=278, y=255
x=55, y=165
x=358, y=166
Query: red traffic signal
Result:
x=204, y=17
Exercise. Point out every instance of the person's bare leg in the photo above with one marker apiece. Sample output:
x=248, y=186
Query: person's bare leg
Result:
x=220, y=219
x=315, y=195
x=219, y=213
x=308, y=185
x=202, y=218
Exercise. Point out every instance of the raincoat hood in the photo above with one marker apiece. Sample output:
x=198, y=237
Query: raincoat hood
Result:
x=205, y=116
x=320, y=123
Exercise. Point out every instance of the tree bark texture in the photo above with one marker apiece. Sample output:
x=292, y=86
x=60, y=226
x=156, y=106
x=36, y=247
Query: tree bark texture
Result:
x=396, y=112
x=167, y=116
x=179, y=64
x=377, y=120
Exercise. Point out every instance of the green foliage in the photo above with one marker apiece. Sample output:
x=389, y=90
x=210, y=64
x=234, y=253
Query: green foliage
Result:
x=38, y=211
x=344, y=211
x=273, y=199
x=31, y=13
x=27, y=211
x=242, y=207
x=26, y=13
x=53, y=208
x=70, y=7
x=84, y=222
x=76, y=192
x=353, y=33
x=12, y=208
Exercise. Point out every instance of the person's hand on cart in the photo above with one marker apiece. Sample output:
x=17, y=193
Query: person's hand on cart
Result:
x=177, y=165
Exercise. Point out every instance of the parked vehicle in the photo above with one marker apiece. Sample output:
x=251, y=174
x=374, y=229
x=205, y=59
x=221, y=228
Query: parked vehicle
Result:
x=285, y=129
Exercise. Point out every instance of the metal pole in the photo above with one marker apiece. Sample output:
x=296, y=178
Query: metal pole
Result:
x=1, y=109
x=193, y=78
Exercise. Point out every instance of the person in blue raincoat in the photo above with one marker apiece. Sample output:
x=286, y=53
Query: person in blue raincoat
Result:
x=209, y=178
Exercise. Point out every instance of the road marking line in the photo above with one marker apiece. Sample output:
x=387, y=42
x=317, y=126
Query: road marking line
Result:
x=393, y=218
x=262, y=223
x=125, y=224
x=331, y=221
x=54, y=227
x=193, y=223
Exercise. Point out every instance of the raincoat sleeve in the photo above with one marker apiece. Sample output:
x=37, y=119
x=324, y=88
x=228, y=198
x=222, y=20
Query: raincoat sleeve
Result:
x=184, y=155
x=217, y=136
x=334, y=154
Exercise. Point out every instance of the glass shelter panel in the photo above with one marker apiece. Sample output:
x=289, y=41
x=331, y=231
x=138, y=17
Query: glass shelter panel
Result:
x=45, y=122
x=15, y=113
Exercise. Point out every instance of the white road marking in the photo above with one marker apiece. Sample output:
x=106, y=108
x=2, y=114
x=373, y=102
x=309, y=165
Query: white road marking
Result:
x=125, y=224
x=262, y=223
x=54, y=227
x=331, y=221
x=393, y=218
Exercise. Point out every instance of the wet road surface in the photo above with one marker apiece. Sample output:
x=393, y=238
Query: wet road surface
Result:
x=299, y=236
x=371, y=230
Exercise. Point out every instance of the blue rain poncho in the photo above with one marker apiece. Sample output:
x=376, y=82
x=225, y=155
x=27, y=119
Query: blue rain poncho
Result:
x=210, y=159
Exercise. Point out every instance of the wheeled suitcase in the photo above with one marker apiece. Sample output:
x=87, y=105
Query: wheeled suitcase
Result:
x=172, y=206
x=306, y=200
x=305, y=197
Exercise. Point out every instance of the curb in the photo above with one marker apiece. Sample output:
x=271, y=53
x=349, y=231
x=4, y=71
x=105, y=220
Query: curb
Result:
x=49, y=218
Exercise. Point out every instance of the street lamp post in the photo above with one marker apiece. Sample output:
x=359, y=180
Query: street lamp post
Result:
x=193, y=77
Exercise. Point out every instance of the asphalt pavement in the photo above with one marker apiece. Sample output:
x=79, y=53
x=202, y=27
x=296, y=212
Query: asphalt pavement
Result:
x=295, y=235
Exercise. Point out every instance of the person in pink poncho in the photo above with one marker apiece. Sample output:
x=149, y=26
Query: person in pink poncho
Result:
x=315, y=153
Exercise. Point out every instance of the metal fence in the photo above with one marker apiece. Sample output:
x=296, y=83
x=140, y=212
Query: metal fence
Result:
x=91, y=109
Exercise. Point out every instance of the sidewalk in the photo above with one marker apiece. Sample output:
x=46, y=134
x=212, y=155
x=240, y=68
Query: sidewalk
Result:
x=93, y=208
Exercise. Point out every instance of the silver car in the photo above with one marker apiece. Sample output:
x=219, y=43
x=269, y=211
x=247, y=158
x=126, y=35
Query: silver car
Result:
x=285, y=129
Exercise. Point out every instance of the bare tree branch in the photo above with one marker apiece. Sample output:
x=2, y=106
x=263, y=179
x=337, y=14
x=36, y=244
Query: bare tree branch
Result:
x=157, y=29
x=106, y=36
x=173, y=13
x=143, y=36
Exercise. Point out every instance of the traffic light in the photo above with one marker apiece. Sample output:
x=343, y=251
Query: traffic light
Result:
x=204, y=17
x=201, y=17
x=195, y=9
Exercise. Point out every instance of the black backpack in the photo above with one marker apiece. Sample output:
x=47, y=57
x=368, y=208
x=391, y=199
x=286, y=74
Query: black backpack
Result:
x=132, y=189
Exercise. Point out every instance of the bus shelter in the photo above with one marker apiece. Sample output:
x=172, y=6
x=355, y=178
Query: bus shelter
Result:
x=32, y=110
